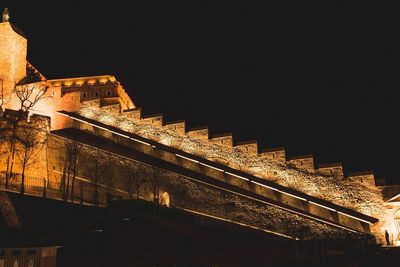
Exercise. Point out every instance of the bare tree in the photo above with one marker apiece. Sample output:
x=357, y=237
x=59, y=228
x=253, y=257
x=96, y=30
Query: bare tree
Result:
x=75, y=162
x=110, y=174
x=28, y=95
x=156, y=183
x=135, y=175
x=63, y=181
x=129, y=173
x=96, y=169
x=72, y=157
x=66, y=158
x=30, y=138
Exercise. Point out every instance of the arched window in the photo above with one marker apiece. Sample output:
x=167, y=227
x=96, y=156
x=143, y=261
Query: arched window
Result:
x=164, y=199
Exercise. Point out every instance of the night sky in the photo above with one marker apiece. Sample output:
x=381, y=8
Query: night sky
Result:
x=315, y=77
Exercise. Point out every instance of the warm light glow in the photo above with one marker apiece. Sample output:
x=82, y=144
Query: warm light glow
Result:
x=212, y=167
x=322, y=206
x=238, y=223
x=196, y=161
x=348, y=215
x=286, y=193
x=164, y=199
x=238, y=176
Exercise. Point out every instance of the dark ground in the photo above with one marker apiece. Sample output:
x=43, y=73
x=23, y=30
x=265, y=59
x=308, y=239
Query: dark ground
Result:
x=127, y=234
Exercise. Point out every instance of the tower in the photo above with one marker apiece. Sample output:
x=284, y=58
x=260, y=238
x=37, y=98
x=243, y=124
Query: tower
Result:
x=13, y=51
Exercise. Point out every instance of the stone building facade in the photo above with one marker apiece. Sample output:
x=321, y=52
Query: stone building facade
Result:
x=316, y=196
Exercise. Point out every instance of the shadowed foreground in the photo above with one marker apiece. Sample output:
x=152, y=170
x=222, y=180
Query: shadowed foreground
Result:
x=129, y=234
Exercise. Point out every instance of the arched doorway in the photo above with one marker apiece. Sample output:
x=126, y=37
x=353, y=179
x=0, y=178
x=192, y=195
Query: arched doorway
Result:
x=164, y=199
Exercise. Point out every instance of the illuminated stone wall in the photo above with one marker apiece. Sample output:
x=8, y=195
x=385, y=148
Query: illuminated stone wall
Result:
x=13, y=51
x=325, y=182
x=198, y=197
x=69, y=94
x=102, y=98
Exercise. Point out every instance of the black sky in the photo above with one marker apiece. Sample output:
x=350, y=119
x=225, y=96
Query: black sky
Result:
x=315, y=77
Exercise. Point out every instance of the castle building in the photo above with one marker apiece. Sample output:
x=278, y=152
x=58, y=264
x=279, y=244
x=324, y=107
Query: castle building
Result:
x=98, y=108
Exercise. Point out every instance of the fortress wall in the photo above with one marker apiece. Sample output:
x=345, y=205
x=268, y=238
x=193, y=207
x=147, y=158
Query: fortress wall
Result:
x=178, y=126
x=53, y=101
x=71, y=101
x=309, y=183
x=223, y=139
x=116, y=108
x=303, y=162
x=135, y=114
x=250, y=147
x=126, y=101
x=90, y=91
x=13, y=63
x=275, y=154
x=199, y=133
x=206, y=199
x=156, y=119
x=92, y=103
x=232, y=179
x=367, y=178
x=333, y=169
x=13, y=51
x=68, y=102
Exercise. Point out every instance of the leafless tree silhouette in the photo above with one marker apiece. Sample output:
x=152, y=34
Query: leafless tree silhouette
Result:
x=135, y=175
x=27, y=95
x=30, y=140
x=96, y=169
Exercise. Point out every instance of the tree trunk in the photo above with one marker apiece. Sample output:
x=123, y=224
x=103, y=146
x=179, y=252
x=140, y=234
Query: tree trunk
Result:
x=81, y=188
x=130, y=187
x=23, y=181
x=23, y=173
x=62, y=188
x=67, y=183
x=11, y=155
x=73, y=183
x=137, y=188
x=96, y=197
